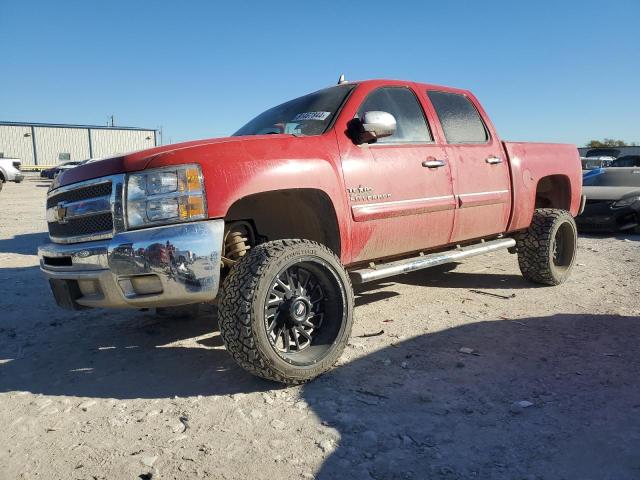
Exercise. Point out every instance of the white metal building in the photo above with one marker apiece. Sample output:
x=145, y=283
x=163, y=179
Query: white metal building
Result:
x=44, y=144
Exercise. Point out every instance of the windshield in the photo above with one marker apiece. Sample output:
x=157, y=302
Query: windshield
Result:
x=308, y=115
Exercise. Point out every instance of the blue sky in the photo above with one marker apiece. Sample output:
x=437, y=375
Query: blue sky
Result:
x=565, y=71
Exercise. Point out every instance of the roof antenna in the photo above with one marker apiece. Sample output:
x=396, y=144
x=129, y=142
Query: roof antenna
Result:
x=341, y=80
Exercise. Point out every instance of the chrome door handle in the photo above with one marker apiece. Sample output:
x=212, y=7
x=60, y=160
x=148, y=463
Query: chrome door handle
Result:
x=493, y=160
x=433, y=163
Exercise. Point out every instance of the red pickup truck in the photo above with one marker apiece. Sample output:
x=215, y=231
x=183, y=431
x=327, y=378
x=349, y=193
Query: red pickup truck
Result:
x=350, y=184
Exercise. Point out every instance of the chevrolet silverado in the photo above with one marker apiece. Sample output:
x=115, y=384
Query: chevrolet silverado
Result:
x=349, y=184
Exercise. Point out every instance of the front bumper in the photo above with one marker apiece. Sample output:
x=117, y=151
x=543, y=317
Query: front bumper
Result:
x=153, y=267
x=599, y=217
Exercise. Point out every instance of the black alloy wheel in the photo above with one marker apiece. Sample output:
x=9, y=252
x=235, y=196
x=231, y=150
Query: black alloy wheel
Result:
x=295, y=309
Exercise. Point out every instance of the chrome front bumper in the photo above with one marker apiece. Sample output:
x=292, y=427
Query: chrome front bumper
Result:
x=153, y=267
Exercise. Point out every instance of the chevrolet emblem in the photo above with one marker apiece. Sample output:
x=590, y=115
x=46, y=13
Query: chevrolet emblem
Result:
x=60, y=213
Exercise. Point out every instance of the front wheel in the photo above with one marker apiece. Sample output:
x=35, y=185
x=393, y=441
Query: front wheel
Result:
x=286, y=310
x=547, y=249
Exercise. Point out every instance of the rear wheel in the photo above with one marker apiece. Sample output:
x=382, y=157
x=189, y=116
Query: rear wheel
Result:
x=547, y=249
x=286, y=310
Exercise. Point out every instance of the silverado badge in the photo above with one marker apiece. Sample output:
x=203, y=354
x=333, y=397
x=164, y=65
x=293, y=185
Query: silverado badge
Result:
x=362, y=194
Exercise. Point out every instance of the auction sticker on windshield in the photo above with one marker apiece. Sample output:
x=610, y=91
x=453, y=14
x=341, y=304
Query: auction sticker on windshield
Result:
x=311, y=116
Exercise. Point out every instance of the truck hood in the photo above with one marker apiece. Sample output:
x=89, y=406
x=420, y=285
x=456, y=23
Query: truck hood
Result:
x=610, y=193
x=612, y=183
x=136, y=161
x=612, y=177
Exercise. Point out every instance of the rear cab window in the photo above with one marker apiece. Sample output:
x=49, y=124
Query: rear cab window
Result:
x=459, y=118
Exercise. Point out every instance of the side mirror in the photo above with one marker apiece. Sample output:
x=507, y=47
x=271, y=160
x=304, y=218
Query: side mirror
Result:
x=375, y=125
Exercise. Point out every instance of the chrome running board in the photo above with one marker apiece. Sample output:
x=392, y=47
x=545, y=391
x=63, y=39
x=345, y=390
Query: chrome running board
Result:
x=376, y=272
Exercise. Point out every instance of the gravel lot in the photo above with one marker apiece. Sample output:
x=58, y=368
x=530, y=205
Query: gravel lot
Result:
x=125, y=395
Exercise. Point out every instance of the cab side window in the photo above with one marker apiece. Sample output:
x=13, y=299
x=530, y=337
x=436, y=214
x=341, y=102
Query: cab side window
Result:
x=460, y=120
x=411, y=126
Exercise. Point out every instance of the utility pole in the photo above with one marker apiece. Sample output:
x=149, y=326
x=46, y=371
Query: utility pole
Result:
x=111, y=120
x=160, y=134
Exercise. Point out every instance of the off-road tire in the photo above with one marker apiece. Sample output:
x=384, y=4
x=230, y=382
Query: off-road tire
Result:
x=241, y=309
x=537, y=256
x=1, y=183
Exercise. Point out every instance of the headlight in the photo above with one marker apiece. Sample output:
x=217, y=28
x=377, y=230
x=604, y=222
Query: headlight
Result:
x=625, y=202
x=166, y=195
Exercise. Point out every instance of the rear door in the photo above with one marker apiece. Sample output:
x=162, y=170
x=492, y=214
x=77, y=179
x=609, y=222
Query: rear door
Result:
x=480, y=170
x=399, y=188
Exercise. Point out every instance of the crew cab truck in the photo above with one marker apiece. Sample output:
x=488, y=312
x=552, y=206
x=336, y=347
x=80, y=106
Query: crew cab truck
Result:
x=349, y=184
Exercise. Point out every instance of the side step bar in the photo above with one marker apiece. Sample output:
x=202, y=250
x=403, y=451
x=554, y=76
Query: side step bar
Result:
x=376, y=272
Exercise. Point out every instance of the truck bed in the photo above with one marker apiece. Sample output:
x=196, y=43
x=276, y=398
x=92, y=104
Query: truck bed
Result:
x=529, y=162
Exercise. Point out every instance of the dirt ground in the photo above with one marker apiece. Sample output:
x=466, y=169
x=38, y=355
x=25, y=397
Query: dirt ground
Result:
x=549, y=386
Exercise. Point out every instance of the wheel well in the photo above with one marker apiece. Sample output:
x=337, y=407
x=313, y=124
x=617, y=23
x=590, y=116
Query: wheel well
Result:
x=553, y=191
x=299, y=213
x=2, y=177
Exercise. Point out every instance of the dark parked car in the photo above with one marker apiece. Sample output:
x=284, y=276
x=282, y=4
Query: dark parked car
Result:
x=626, y=161
x=613, y=197
x=55, y=171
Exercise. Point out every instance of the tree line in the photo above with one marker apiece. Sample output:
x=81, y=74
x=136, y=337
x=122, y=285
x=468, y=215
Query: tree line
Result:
x=609, y=142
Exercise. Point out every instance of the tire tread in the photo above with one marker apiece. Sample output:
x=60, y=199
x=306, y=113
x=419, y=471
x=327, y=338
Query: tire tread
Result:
x=534, y=246
x=236, y=308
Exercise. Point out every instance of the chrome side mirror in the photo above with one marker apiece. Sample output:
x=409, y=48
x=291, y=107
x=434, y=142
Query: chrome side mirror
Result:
x=376, y=125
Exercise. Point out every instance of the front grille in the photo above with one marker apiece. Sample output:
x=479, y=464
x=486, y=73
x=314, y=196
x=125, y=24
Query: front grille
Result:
x=72, y=223
x=84, y=226
x=82, y=193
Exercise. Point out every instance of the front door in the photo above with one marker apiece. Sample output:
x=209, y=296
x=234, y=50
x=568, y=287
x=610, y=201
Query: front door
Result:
x=399, y=188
